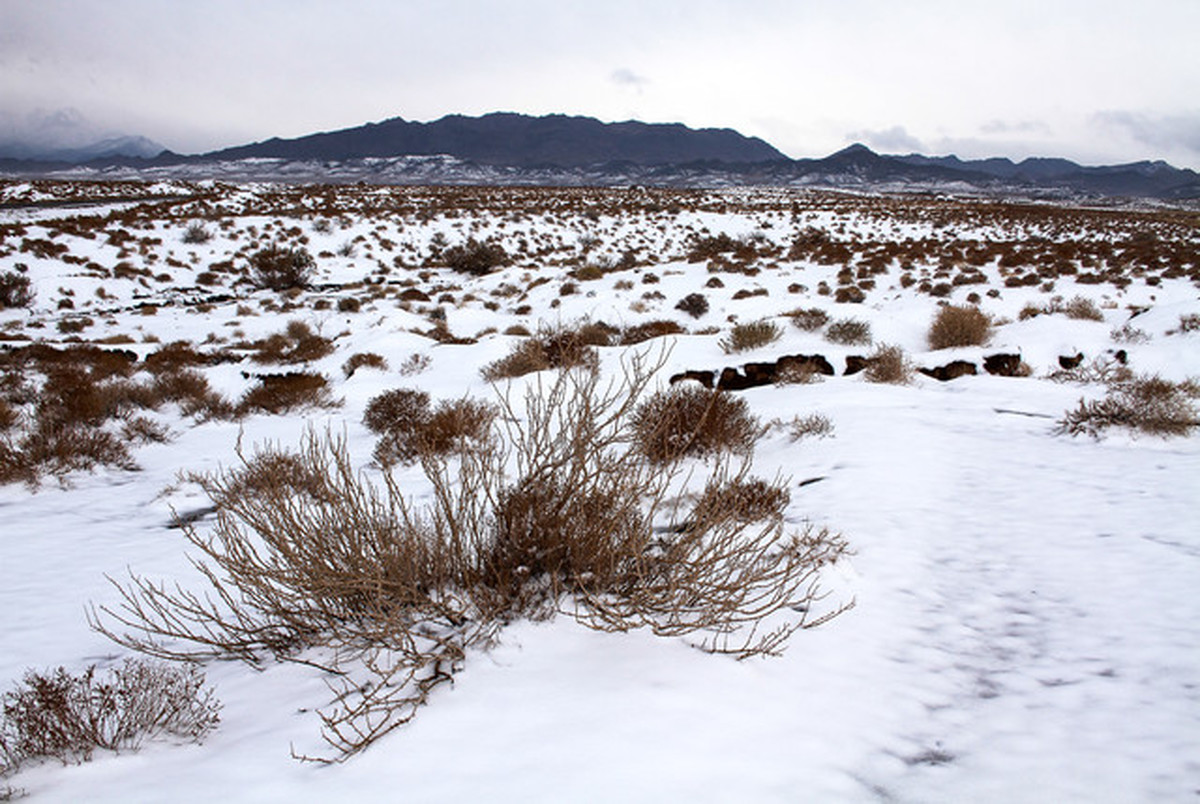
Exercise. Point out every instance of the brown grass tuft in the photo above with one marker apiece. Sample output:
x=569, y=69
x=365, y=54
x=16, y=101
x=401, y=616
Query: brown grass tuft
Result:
x=889, y=364
x=363, y=360
x=959, y=326
x=282, y=393
x=688, y=420
x=849, y=332
x=751, y=335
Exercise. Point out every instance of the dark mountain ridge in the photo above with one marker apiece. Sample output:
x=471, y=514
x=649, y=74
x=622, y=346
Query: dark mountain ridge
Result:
x=505, y=148
x=518, y=140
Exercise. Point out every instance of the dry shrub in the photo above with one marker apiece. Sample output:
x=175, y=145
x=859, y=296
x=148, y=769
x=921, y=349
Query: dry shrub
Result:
x=889, y=364
x=814, y=425
x=174, y=356
x=475, y=257
x=280, y=268
x=16, y=290
x=745, y=499
x=1083, y=309
x=645, y=331
x=281, y=393
x=959, y=326
x=142, y=430
x=410, y=429
x=1129, y=334
x=9, y=417
x=454, y=423
x=363, y=360
x=751, y=335
x=196, y=234
x=551, y=347
x=414, y=364
x=1188, y=322
x=689, y=420
x=555, y=514
x=849, y=332
x=1101, y=369
x=296, y=344
x=1145, y=404
x=794, y=373
x=809, y=320
x=694, y=304
x=59, y=449
x=190, y=390
x=57, y=715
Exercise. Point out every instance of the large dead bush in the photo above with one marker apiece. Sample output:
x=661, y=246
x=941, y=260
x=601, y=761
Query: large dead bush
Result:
x=311, y=561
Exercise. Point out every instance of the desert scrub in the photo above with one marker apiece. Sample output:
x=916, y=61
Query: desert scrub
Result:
x=814, y=425
x=296, y=344
x=196, y=234
x=363, y=360
x=283, y=393
x=57, y=715
x=410, y=428
x=550, y=347
x=810, y=319
x=316, y=562
x=889, y=364
x=849, y=332
x=694, y=304
x=959, y=326
x=751, y=335
x=1144, y=404
x=1082, y=308
x=474, y=257
x=16, y=290
x=688, y=420
x=280, y=268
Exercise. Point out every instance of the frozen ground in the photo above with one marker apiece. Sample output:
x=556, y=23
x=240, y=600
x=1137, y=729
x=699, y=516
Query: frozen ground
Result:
x=1026, y=624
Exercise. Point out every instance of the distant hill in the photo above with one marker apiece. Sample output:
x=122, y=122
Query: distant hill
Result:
x=514, y=149
x=520, y=141
x=108, y=148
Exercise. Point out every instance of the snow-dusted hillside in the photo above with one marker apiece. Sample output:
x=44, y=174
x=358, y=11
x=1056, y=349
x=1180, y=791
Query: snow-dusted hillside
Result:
x=1025, y=619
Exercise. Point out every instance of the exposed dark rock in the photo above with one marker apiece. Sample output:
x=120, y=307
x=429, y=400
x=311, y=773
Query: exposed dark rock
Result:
x=1068, y=362
x=1003, y=365
x=705, y=378
x=951, y=371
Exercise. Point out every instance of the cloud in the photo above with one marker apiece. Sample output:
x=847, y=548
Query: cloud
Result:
x=1017, y=127
x=890, y=140
x=48, y=129
x=628, y=78
x=1164, y=132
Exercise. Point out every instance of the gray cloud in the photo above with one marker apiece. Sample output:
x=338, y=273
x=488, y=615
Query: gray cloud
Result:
x=50, y=129
x=1015, y=127
x=1166, y=132
x=628, y=78
x=889, y=140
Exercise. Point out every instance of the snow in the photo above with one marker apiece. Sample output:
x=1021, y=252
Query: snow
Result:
x=1025, y=624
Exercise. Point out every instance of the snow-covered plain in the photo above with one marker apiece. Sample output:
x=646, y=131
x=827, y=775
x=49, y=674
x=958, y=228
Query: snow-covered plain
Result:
x=1026, y=622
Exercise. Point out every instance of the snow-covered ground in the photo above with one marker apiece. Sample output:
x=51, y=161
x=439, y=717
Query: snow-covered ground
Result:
x=1026, y=623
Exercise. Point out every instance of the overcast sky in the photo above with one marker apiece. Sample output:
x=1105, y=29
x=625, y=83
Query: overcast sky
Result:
x=1098, y=81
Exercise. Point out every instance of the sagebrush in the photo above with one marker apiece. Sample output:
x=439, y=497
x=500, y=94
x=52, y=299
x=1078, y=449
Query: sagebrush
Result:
x=311, y=561
x=66, y=717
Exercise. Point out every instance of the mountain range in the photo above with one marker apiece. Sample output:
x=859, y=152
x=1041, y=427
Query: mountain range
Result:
x=505, y=148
